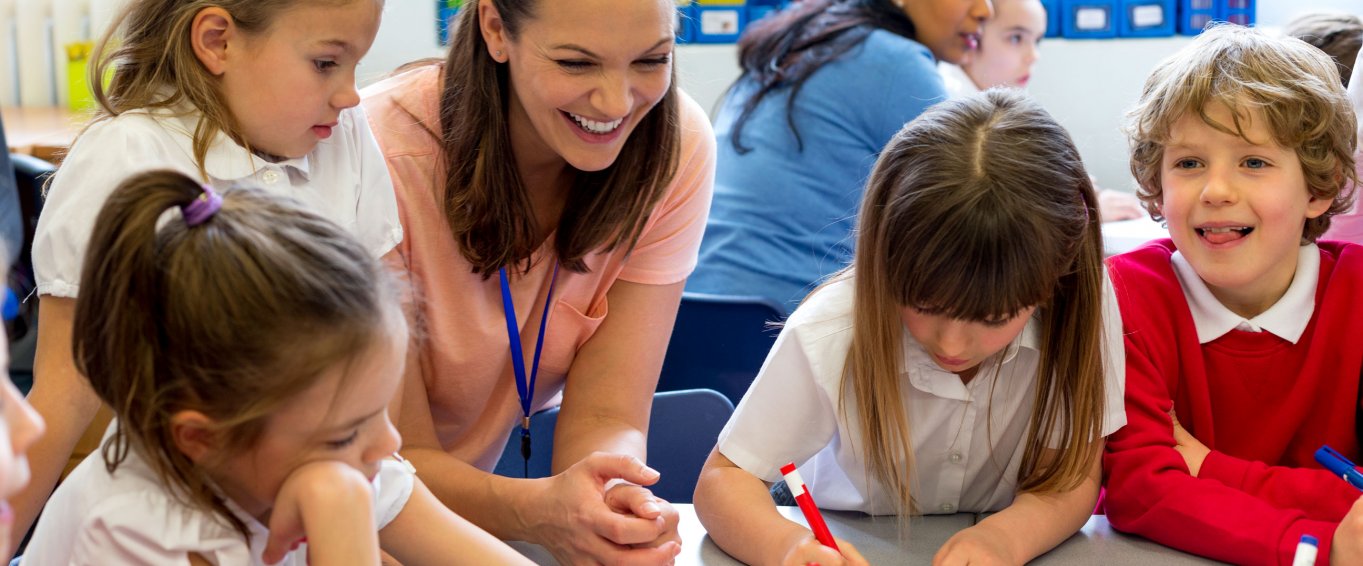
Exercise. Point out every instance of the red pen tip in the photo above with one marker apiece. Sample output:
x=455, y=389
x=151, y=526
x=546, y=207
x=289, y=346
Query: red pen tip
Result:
x=788, y=468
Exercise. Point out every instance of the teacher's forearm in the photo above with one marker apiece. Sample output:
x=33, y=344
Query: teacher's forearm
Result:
x=572, y=443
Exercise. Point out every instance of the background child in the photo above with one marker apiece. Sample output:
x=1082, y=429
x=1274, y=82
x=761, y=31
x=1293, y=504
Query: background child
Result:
x=969, y=360
x=1239, y=324
x=249, y=350
x=1010, y=44
x=20, y=425
x=1339, y=35
x=225, y=91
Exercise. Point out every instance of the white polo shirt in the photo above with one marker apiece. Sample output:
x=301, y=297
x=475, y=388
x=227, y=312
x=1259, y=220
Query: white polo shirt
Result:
x=1286, y=319
x=967, y=438
x=130, y=517
x=344, y=178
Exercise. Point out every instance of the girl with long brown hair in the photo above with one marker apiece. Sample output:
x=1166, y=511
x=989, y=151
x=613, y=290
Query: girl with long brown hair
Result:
x=968, y=360
x=553, y=183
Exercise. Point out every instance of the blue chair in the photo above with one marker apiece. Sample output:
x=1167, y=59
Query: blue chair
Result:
x=719, y=342
x=30, y=174
x=681, y=433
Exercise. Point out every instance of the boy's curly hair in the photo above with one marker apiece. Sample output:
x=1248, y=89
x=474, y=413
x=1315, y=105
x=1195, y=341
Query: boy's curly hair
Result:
x=1293, y=86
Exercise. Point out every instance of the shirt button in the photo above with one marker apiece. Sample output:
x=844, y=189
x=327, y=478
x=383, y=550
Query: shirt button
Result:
x=954, y=458
x=270, y=177
x=948, y=508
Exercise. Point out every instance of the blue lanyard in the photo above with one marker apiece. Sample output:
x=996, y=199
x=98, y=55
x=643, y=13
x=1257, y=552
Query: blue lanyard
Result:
x=525, y=388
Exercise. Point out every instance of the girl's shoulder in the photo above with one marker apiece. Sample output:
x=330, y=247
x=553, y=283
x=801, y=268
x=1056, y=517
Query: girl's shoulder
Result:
x=127, y=513
x=826, y=312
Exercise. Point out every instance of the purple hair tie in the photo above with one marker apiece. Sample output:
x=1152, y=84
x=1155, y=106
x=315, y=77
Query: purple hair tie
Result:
x=202, y=208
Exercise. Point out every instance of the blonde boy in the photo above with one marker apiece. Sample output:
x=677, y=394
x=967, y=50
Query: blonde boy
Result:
x=1241, y=341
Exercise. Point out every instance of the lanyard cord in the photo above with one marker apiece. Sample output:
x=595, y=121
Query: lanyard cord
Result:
x=525, y=388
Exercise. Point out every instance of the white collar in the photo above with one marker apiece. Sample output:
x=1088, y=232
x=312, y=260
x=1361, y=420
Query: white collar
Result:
x=1286, y=319
x=925, y=375
x=226, y=160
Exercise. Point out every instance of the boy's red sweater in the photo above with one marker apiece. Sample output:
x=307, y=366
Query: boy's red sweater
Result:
x=1261, y=404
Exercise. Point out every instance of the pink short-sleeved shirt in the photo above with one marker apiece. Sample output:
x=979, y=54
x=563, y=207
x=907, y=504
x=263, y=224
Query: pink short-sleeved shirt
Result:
x=463, y=354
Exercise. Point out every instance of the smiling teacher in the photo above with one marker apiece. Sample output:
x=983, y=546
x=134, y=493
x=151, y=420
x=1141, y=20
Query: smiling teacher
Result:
x=553, y=184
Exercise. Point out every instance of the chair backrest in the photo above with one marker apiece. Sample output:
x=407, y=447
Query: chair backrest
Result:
x=682, y=431
x=719, y=342
x=30, y=174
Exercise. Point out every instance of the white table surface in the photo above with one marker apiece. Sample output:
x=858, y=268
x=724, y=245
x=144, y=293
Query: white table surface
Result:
x=879, y=540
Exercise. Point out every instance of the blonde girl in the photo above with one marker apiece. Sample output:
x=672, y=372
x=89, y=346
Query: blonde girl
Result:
x=249, y=349
x=257, y=91
x=968, y=360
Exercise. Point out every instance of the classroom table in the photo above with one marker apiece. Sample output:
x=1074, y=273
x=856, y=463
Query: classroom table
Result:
x=1126, y=235
x=43, y=132
x=878, y=539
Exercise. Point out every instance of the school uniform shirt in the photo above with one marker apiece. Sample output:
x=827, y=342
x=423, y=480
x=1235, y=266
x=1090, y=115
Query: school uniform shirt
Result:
x=464, y=358
x=967, y=438
x=128, y=517
x=1261, y=393
x=344, y=179
x=956, y=81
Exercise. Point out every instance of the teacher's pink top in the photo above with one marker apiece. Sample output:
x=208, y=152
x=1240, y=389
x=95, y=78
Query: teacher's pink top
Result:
x=463, y=352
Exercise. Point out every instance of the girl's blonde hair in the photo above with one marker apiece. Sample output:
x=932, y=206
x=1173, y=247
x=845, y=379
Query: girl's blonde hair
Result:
x=976, y=210
x=149, y=49
x=1292, y=85
x=230, y=318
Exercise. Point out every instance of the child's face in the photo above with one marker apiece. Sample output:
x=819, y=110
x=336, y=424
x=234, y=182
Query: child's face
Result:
x=21, y=426
x=948, y=28
x=330, y=421
x=1009, y=46
x=1236, y=209
x=288, y=85
x=584, y=74
x=959, y=346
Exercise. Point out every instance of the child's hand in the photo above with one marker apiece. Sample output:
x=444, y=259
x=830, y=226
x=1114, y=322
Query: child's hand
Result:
x=575, y=523
x=632, y=500
x=331, y=504
x=1192, y=449
x=1347, y=547
x=810, y=551
x=975, y=546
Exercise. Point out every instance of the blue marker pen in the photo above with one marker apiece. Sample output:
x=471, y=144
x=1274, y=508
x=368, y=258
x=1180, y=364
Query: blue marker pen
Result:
x=1340, y=466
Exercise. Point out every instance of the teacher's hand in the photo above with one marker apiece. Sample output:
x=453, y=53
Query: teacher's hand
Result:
x=630, y=499
x=575, y=523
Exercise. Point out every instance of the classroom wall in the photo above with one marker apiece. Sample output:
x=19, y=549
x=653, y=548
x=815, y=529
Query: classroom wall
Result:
x=1086, y=84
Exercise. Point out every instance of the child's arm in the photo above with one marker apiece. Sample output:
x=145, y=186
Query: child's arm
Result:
x=426, y=532
x=66, y=402
x=1150, y=491
x=331, y=505
x=739, y=514
x=1032, y=525
x=1316, y=492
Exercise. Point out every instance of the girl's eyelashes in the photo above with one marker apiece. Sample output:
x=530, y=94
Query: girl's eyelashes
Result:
x=1255, y=163
x=344, y=442
x=324, y=65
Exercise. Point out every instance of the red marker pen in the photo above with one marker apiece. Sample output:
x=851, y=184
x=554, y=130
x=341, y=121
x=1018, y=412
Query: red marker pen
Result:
x=806, y=501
